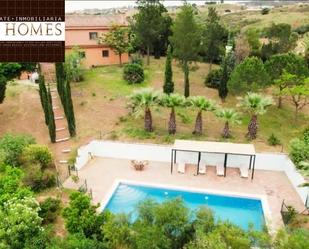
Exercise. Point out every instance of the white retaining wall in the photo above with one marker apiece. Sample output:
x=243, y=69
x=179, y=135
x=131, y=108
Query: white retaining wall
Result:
x=161, y=153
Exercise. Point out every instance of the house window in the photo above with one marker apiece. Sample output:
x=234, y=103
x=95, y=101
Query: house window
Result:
x=82, y=54
x=105, y=53
x=93, y=35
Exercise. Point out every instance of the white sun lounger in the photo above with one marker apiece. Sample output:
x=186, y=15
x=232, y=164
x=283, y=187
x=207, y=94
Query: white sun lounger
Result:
x=244, y=172
x=181, y=167
x=202, y=167
x=220, y=170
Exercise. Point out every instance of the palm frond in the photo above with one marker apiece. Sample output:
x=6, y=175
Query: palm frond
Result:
x=141, y=99
x=229, y=115
x=172, y=100
x=202, y=103
x=255, y=103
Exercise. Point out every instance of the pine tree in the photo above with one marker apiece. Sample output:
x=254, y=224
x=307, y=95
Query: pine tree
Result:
x=186, y=41
x=168, y=86
x=70, y=110
x=51, y=118
x=43, y=98
x=223, y=90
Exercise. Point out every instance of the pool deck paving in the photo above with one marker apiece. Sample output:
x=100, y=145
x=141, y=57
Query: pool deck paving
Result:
x=102, y=173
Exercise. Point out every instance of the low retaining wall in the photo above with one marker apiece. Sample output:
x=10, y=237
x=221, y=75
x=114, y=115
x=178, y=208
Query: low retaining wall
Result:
x=161, y=153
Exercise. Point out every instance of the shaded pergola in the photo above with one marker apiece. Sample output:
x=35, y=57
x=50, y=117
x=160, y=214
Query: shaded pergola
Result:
x=225, y=149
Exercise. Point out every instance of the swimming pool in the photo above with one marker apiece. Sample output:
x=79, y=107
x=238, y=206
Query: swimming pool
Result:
x=238, y=210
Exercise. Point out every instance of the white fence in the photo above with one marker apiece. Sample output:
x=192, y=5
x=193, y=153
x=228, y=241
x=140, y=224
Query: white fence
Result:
x=161, y=153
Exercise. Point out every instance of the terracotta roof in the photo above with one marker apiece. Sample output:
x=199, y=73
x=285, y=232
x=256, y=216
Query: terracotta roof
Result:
x=94, y=20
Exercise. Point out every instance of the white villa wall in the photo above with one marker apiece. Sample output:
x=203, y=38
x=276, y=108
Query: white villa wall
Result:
x=161, y=153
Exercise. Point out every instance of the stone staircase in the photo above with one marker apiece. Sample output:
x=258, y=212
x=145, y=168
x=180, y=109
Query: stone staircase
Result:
x=63, y=143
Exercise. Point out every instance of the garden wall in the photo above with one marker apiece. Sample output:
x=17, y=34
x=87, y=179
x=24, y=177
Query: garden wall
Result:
x=161, y=153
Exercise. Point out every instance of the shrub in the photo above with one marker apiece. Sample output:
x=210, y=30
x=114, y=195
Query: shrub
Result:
x=37, y=179
x=306, y=135
x=213, y=78
x=19, y=222
x=133, y=73
x=302, y=29
x=299, y=151
x=13, y=146
x=81, y=216
x=135, y=59
x=11, y=185
x=48, y=179
x=49, y=210
x=36, y=153
x=2, y=158
x=289, y=215
x=265, y=11
x=273, y=140
x=33, y=176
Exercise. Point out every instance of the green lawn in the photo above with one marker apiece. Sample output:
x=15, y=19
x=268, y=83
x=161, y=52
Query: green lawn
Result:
x=107, y=85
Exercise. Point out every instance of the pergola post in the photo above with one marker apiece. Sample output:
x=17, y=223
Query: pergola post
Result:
x=253, y=167
x=172, y=161
x=225, y=161
x=198, y=163
x=250, y=163
x=175, y=155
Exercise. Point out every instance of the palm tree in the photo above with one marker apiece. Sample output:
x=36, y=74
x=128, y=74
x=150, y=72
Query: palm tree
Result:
x=255, y=104
x=172, y=101
x=142, y=100
x=230, y=116
x=202, y=104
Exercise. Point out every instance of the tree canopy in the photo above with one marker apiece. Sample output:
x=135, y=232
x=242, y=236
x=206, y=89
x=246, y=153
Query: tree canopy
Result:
x=290, y=63
x=214, y=37
x=248, y=76
x=8, y=71
x=117, y=38
x=186, y=47
x=281, y=39
x=148, y=23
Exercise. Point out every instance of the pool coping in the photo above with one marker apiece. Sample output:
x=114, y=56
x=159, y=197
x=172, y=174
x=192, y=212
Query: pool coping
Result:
x=262, y=198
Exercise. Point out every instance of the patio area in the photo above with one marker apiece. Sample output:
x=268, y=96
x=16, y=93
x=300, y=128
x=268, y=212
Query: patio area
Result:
x=101, y=173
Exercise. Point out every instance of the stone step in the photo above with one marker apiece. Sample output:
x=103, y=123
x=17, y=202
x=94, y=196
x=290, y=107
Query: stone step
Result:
x=63, y=161
x=59, y=118
x=55, y=107
x=66, y=151
x=61, y=129
x=53, y=90
x=54, y=97
x=62, y=139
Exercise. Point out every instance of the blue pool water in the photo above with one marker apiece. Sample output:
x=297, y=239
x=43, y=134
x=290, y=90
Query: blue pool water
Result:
x=239, y=211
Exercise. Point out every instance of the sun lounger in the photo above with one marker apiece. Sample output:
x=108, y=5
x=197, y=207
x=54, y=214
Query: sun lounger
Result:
x=244, y=172
x=220, y=170
x=202, y=168
x=181, y=167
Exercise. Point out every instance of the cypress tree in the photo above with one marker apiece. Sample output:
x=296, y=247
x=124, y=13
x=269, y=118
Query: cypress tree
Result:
x=51, y=118
x=70, y=110
x=223, y=90
x=2, y=88
x=61, y=78
x=168, y=86
x=43, y=98
x=64, y=91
